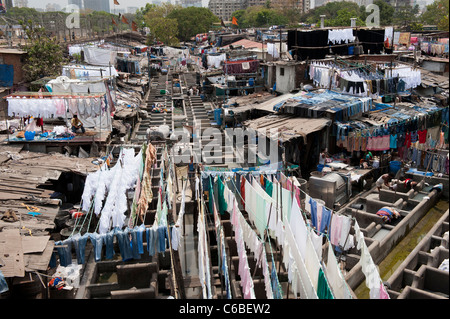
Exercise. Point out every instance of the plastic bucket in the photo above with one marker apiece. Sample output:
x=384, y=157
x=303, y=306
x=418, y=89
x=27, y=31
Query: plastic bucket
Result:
x=351, y=50
x=394, y=166
x=29, y=135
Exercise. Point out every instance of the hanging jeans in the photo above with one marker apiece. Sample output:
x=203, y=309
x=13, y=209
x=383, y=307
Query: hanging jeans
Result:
x=162, y=235
x=313, y=212
x=79, y=242
x=97, y=242
x=65, y=253
x=140, y=235
x=109, y=243
x=151, y=235
x=124, y=244
x=326, y=220
x=134, y=242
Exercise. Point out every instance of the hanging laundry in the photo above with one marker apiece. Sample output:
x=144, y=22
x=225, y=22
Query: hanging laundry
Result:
x=323, y=289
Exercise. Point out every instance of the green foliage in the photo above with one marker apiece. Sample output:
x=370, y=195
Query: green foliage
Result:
x=437, y=14
x=404, y=16
x=343, y=19
x=334, y=13
x=171, y=23
x=161, y=28
x=386, y=12
x=259, y=16
x=22, y=12
x=44, y=55
x=192, y=20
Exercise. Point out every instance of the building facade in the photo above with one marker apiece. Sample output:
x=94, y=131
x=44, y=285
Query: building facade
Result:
x=224, y=8
x=78, y=3
x=191, y=3
x=97, y=5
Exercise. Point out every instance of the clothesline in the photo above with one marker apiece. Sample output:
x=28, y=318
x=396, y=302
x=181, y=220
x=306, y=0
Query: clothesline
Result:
x=335, y=45
x=49, y=95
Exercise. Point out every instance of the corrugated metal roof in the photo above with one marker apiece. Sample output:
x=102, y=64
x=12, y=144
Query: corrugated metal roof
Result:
x=247, y=44
x=287, y=127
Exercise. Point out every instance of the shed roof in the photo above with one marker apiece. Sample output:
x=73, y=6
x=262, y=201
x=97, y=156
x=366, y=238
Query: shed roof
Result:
x=288, y=127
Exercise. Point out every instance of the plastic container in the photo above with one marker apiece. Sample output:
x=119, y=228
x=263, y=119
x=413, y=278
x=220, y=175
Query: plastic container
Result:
x=29, y=135
x=394, y=166
x=351, y=50
x=218, y=116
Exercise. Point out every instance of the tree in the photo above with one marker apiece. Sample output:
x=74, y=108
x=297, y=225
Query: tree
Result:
x=259, y=16
x=343, y=19
x=161, y=28
x=44, y=55
x=386, y=12
x=405, y=16
x=437, y=14
x=330, y=10
x=165, y=30
x=192, y=20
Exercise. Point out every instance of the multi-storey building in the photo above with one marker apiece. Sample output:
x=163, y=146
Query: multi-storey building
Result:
x=224, y=8
x=21, y=3
x=78, y=3
x=97, y=5
x=191, y=3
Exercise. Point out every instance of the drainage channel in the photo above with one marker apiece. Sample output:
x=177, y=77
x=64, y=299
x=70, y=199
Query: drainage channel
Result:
x=401, y=251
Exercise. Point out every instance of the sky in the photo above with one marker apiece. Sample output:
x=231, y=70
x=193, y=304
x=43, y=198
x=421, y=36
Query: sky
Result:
x=123, y=3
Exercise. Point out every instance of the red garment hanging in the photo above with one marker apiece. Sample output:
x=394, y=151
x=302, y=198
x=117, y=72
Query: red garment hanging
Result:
x=243, y=192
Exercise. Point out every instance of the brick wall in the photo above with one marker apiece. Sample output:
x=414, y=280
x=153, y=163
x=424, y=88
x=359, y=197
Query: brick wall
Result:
x=16, y=60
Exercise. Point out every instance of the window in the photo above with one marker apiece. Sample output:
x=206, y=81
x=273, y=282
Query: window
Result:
x=282, y=71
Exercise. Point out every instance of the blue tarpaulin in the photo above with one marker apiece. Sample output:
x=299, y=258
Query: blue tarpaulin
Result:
x=6, y=75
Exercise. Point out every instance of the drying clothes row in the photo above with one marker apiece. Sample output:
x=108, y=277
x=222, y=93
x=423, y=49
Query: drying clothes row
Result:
x=383, y=140
x=300, y=242
x=128, y=66
x=339, y=234
x=315, y=44
x=112, y=183
x=334, y=276
x=143, y=192
x=401, y=123
x=215, y=61
x=411, y=77
x=204, y=273
x=85, y=72
x=373, y=279
x=226, y=201
x=56, y=107
x=130, y=242
x=37, y=107
x=324, y=221
x=92, y=107
x=241, y=67
x=433, y=48
x=252, y=241
x=316, y=105
x=222, y=260
x=359, y=84
x=425, y=159
x=336, y=36
x=274, y=49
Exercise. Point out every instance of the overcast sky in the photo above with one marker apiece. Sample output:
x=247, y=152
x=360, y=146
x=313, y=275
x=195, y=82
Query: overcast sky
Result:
x=123, y=3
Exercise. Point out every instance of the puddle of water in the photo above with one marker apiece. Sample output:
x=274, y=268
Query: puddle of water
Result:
x=419, y=196
x=107, y=277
